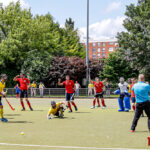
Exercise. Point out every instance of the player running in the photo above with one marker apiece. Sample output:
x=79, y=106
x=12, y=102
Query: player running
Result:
x=2, y=93
x=24, y=85
x=98, y=85
x=56, y=110
x=70, y=88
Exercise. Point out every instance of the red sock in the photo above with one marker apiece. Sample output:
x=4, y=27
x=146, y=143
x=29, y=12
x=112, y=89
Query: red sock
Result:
x=29, y=104
x=103, y=102
x=98, y=102
x=94, y=103
x=69, y=105
x=22, y=104
x=73, y=103
x=133, y=107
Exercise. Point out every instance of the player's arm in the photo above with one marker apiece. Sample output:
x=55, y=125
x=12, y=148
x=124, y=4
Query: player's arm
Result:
x=49, y=114
x=15, y=78
x=59, y=82
x=105, y=80
x=90, y=80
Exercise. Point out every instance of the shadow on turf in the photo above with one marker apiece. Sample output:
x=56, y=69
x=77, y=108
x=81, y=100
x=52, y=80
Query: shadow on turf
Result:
x=12, y=115
x=18, y=122
x=65, y=118
x=82, y=112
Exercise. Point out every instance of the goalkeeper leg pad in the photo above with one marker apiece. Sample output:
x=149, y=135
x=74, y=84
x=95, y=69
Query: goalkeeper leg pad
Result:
x=121, y=105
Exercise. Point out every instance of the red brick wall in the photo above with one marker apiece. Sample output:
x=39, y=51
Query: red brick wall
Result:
x=106, y=52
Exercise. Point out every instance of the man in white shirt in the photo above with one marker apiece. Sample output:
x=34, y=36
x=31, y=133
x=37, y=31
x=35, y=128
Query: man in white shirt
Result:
x=124, y=99
x=77, y=88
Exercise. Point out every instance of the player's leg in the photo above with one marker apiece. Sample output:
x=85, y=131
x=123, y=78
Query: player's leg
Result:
x=94, y=101
x=21, y=99
x=68, y=101
x=98, y=103
x=133, y=103
x=26, y=97
x=120, y=102
x=2, y=112
x=72, y=102
x=102, y=100
x=147, y=111
x=138, y=112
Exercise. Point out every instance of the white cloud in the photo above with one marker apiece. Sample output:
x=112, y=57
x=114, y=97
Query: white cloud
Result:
x=112, y=6
x=104, y=29
x=22, y=2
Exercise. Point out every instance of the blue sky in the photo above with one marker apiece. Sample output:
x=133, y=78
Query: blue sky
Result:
x=106, y=16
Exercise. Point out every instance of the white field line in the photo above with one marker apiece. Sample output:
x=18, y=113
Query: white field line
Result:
x=67, y=147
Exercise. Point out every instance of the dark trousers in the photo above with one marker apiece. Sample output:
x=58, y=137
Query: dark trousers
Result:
x=138, y=111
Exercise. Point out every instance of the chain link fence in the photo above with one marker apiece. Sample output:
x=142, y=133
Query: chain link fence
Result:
x=57, y=92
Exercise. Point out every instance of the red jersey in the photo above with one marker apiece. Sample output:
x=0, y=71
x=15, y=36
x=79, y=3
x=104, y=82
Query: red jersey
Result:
x=98, y=86
x=69, y=85
x=23, y=83
x=132, y=92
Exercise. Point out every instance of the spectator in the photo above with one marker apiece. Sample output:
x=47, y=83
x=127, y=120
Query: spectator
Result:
x=90, y=89
x=33, y=89
x=77, y=88
x=107, y=89
x=41, y=88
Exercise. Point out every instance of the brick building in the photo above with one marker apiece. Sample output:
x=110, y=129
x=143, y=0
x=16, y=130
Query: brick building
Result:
x=101, y=48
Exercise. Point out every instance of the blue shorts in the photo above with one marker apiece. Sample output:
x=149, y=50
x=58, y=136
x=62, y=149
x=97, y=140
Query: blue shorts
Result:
x=133, y=100
x=1, y=101
x=69, y=96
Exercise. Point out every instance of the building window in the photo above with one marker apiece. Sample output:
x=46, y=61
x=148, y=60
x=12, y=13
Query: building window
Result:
x=104, y=44
x=98, y=55
x=116, y=44
x=103, y=55
x=111, y=49
x=93, y=50
x=94, y=56
x=111, y=43
x=103, y=49
x=93, y=44
x=98, y=50
x=98, y=44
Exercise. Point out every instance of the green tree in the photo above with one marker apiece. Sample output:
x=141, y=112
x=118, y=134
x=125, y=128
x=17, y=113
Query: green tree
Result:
x=134, y=43
x=115, y=67
x=37, y=65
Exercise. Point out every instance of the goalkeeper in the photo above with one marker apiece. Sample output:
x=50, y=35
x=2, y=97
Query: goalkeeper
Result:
x=56, y=109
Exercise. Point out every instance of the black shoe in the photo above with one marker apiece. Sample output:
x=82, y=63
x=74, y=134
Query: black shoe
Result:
x=22, y=109
x=98, y=106
x=76, y=109
x=31, y=109
x=70, y=111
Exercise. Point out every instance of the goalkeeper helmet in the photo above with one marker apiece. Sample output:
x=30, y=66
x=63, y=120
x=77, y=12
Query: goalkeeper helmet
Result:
x=53, y=104
x=3, y=76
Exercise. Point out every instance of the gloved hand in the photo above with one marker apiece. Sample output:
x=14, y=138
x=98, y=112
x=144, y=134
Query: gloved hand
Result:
x=49, y=117
x=4, y=93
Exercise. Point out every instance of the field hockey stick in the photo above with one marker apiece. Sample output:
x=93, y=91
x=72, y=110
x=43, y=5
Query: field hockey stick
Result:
x=9, y=104
x=72, y=97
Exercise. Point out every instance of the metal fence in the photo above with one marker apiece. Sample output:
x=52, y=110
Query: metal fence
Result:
x=56, y=92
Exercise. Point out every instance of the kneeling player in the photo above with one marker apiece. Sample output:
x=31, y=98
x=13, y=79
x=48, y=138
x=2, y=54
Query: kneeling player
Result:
x=2, y=93
x=56, y=110
x=98, y=85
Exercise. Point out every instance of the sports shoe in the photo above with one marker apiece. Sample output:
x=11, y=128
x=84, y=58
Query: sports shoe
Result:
x=76, y=109
x=70, y=111
x=22, y=109
x=104, y=107
x=31, y=109
x=132, y=131
x=92, y=107
x=98, y=106
x=4, y=120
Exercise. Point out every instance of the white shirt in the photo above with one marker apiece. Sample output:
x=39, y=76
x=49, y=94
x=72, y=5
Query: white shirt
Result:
x=123, y=87
x=77, y=86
